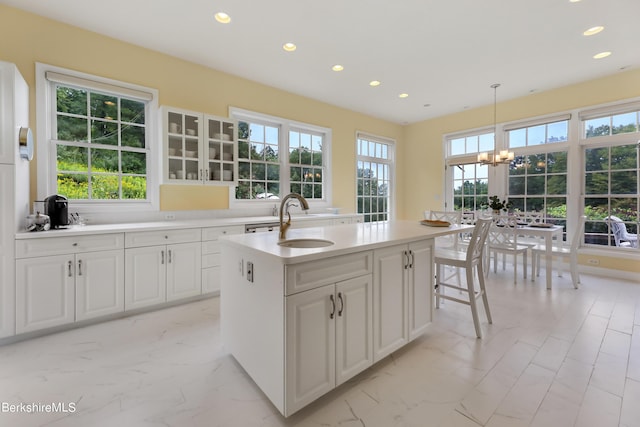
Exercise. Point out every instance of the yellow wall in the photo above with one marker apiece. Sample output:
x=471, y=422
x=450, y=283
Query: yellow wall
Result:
x=27, y=39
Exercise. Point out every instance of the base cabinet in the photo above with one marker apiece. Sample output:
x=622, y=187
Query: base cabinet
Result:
x=156, y=274
x=99, y=284
x=329, y=338
x=211, y=255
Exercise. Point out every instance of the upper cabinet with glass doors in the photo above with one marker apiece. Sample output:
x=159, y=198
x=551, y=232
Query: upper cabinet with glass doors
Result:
x=198, y=149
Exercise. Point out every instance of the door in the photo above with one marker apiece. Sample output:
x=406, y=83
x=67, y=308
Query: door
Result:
x=184, y=272
x=420, y=287
x=99, y=284
x=145, y=281
x=310, y=346
x=354, y=327
x=44, y=292
x=390, y=330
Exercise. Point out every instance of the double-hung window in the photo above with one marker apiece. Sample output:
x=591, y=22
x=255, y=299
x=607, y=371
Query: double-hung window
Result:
x=611, y=175
x=278, y=156
x=375, y=177
x=98, y=140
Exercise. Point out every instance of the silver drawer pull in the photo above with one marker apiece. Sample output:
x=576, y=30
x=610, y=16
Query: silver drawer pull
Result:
x=79, y=267
x=70, y=266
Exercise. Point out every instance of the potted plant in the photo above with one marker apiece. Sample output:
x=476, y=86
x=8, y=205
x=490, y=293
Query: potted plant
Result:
x=498, y=205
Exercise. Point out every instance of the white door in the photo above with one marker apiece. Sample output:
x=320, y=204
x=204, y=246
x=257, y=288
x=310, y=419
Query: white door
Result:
x=354, y=327
x=184, y=271
x=99, y=283
x=145, y=281
x=390, y=331
x=310, y=346
x=420, y=287
x=44, y=292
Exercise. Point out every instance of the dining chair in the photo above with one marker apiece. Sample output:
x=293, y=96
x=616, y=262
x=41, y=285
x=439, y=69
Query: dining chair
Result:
x=503, y=239
x=453, y=217
x=620, y=234
x=471, y=261
x=566, y=252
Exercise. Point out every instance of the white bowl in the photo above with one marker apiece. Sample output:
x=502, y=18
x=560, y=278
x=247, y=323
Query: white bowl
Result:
x=172, y=151
x=227, y=156
x=212, y=153
x=189, y=153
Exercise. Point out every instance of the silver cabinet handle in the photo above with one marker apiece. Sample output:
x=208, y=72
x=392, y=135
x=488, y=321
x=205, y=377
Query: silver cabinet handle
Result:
x=341, y=304
x=406, y=256
x=70, y=266
x=410, y=259
x=79, y=267
x=162, y=257
x=333, y=307
x=169, y=256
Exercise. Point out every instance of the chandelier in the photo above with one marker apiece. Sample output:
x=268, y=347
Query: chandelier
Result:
x=504, y=157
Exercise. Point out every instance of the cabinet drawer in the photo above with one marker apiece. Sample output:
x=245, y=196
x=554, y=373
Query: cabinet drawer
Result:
x=309, y=275
x=212, y=233
x=211, y=247
x=210, y=260
x=151, y=238
x=46, y=246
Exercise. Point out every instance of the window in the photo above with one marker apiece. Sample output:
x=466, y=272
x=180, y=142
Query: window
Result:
x=470, y=186
x=277, y=157
x=612, y=173
x=543, y=133
x=98, y=139
x=375, y=176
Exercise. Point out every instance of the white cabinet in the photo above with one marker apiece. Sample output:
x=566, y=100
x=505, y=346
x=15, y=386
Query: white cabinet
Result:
x=156, y=273
x=7, y=261
x=211, y=255
x=401, y=295
x=59, y=281
x=329, y=338
x=198, y=148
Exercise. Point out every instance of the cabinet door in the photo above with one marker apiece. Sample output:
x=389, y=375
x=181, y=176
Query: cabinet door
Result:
x=44, y=292
x=182, y=132
x=420, y=287
x=390, y=318
x=184, y=275
x=7, y=261
x=145, y=281
x=354, y=327
x=310, y=346
x=99, y=284
x=220, y=151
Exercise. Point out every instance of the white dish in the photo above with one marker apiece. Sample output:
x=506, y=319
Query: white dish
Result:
x=191, y=132
x=227, y=156
x=172, y=151
x=226, y=175
x=189, y=153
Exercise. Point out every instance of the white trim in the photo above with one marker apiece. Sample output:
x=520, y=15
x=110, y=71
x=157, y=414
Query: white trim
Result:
x=391, y=162
x=285, y=125
x=45, y=114
x=543, y=120
x=610, y=109
x=93, y=82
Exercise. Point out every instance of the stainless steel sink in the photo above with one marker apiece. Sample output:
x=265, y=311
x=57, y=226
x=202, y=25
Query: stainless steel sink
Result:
x=306, y=243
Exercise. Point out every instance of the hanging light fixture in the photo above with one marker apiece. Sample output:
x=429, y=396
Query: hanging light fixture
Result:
x=504, y=157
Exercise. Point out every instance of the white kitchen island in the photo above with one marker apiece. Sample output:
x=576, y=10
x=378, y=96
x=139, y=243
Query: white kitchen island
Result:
x=303, y=321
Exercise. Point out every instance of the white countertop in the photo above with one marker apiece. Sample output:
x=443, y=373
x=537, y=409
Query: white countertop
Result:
x=78, y=230
x=348, y=238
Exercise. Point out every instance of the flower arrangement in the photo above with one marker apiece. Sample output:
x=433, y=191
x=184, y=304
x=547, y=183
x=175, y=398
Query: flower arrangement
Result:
x=499, y=205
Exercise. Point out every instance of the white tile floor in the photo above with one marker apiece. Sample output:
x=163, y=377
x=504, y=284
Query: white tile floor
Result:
x=552, y=358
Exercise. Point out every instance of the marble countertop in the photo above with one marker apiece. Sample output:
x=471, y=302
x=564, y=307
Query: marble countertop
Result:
x=78, y=230
x=347, y=238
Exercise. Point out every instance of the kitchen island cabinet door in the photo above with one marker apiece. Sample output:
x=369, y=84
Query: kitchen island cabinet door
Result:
x=354, y=327
x=145, y=280
x=184, y=271
x=420, y=287
x=310, y=346
x=99, y=284
x=390, y=300
x=44, y=292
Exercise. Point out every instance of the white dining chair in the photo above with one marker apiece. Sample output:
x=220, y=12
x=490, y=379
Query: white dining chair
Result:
x=503, y=239
x=469, y=260
x=620, y=234
x=565, y=252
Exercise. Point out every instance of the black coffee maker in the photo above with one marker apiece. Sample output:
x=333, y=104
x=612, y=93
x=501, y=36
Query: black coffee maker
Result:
x=57, y=207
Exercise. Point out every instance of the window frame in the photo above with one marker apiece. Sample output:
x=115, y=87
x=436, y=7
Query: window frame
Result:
x=285, y=125
x=47, y=156
x=391, y=162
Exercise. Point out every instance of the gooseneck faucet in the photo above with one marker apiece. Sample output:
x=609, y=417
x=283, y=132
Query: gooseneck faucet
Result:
x=285, y=225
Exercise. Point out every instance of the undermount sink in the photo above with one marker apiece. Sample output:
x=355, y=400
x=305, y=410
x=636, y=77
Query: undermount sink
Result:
x=305, y=243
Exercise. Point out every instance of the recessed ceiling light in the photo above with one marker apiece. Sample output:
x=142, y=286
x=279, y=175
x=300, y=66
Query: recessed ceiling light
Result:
x=403, y=95
x=574, y=1
x=601, y=55
x=289, y=47
x=593, y=30
x=337, y=67
x=374, y=83
x=222, y=18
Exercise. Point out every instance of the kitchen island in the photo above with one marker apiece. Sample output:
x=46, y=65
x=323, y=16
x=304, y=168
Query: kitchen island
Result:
x=301, y=321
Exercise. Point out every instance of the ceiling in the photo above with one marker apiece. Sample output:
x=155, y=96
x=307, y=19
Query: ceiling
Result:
x=444, y=54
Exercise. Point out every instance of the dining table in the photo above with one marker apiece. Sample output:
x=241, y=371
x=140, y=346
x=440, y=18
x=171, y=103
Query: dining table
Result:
x=551, y=234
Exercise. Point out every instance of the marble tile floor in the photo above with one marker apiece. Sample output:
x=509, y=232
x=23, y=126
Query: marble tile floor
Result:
x=556, y=358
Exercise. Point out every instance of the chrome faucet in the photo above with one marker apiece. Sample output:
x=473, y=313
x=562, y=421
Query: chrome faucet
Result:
x=285, y=225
